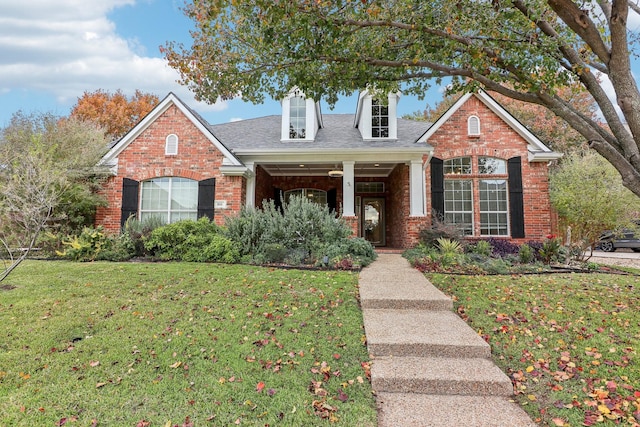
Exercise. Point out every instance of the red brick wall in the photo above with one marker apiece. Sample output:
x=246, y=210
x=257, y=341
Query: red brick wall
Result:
x=496, y=140
x=145, y=158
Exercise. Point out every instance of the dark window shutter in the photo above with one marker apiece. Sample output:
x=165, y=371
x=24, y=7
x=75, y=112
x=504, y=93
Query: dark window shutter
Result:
x=437, y=188
x=206, y=197
x=129, y=200
x=278, y=198
x=516, y=203
x=332, y=199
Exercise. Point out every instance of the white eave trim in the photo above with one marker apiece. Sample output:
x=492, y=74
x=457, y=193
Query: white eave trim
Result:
x=543, y=156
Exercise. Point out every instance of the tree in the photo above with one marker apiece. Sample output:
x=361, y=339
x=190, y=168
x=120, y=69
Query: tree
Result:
x=525, y=50
x=115, y=112
x=551, y=129
x=44, y=161
x=588, y=195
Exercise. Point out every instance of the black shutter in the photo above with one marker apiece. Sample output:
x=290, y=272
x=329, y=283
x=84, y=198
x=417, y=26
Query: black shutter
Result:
x=332, y=199
x=278, y=198
x=206, y=197
x=437, y=188
x=516, y=202
x=129, y=200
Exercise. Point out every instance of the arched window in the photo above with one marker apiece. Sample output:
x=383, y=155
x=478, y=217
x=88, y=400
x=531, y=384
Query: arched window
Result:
x=171, y=145
x=473, y=125
x=469, y=198
x=169, y=198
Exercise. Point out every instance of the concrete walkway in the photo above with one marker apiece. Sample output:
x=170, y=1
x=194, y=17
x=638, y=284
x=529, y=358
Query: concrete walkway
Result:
x=429, y=367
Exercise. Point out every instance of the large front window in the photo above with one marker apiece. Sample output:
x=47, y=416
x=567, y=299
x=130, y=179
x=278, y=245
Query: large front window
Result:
x=477, y=193
x=297, y=118
x=379, y=119
x=170, y=199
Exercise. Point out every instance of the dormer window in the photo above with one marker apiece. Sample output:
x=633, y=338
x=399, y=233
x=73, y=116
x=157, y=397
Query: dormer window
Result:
x=297, y=118
x=473, y=125
x=301, y=117
x=379, y=119
x=171, y=145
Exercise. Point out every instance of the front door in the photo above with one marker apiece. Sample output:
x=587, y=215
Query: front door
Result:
x=372, y=220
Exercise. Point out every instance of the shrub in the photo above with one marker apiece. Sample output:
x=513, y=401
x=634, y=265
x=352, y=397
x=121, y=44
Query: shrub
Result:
x=192, y=241
x=359, y=250
x=481, y=247
x=301, y=226
x=502, y=247
x=438, y=230
x=136, y=232
x=551, y=250
x=526, y=254
x=87, y=245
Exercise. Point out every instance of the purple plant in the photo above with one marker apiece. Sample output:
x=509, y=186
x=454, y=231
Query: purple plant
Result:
x=502, y=247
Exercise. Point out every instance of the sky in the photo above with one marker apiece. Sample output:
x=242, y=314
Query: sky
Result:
x=51, y=52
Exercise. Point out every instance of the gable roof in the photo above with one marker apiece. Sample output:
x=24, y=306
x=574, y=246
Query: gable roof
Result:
x=538, y=151
x=110, y=159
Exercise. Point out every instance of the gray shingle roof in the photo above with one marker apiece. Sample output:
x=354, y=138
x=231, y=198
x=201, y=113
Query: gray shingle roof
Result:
x=338, y=133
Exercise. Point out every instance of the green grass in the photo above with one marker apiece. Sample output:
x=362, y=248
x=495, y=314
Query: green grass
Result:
x=122, y=344
x=569, y=342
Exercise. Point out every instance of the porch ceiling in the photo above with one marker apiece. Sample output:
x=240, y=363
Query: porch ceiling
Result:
x=322, y=169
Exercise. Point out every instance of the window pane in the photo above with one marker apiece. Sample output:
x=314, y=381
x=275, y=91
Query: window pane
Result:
x=297, y=117
x=457, y=166
x=458, y=206
x=379, y=120
x=491, y=166
x=155, y=194
x=494, y=208
x=184, y=194
x=315, y=196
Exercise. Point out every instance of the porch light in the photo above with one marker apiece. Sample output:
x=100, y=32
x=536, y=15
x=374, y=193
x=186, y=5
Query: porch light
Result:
x=335, y=173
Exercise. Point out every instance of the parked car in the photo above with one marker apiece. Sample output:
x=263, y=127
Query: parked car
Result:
x=626, y=238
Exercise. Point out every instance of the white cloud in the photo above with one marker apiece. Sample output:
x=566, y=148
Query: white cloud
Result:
x=67, y=47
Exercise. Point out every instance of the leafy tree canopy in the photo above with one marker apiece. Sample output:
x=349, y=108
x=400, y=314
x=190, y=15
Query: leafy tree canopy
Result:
x=116, y=112
x=523, y=49
x=46, y=166
x=589, y=196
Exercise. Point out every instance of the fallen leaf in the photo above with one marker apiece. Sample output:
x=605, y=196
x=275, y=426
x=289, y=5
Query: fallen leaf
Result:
x=260, y=387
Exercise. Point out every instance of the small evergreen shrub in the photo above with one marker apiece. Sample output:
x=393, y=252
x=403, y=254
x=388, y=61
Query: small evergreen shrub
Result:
x=526, y=254
x=359, y=250
x=274, y=252
x=135, y=233
x=190, y=240
x=481, y=247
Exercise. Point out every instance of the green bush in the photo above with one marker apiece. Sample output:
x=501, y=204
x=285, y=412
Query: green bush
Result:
x=439, y=230
x=526, y=254
x=191, y=241
x=300, y=226
x=481, y=247
x=359, y=250
x=135, y=233
x=86, y=246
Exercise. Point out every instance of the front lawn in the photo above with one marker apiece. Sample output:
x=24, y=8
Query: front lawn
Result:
x=569, y=342
x=155, y=344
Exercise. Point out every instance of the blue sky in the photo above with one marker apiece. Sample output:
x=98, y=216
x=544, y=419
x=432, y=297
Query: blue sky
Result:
x=51, y=52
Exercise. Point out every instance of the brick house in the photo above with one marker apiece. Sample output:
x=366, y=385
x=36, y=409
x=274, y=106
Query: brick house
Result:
x=476, y=166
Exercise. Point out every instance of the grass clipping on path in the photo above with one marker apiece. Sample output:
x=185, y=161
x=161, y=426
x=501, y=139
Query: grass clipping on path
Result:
x=569, y=342
x=181, y=344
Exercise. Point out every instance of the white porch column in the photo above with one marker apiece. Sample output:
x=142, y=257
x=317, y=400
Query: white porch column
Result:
x=417, y=190
x=348, y=189
x=250, y=195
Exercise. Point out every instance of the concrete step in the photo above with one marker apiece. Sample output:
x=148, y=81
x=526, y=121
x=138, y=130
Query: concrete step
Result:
x=439, y=375
x=398, y=291
x=424, y=410
x=421, y=333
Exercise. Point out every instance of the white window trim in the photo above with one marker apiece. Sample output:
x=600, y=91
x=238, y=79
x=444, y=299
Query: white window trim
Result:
x=168, y=209
x=473, y=207
x=171, y=145
x=473, y=126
